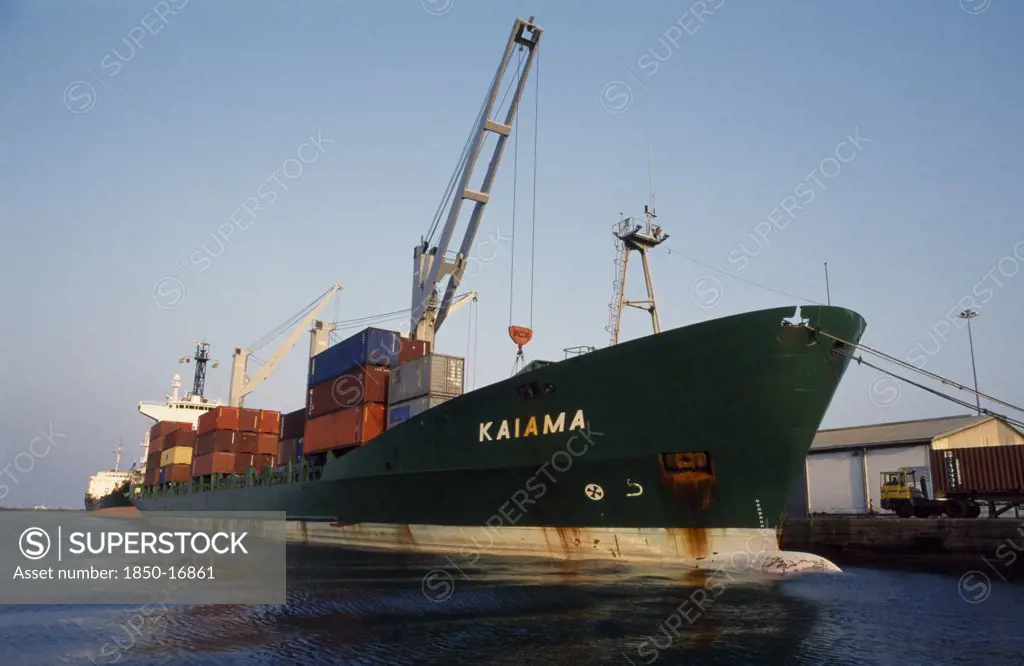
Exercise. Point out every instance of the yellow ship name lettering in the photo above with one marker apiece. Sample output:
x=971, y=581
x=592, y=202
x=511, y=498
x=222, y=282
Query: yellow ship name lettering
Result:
x=532, y=427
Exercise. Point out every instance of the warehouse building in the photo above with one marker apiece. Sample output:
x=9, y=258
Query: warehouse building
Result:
x=843, y=468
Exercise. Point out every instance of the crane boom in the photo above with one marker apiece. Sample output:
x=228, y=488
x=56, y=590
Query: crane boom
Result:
x=241, y=385
x=430, y=264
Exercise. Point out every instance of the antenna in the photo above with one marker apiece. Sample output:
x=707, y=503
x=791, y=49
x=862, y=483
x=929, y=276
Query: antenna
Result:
x=117, y=455
x=828, y=293
x=650, y=180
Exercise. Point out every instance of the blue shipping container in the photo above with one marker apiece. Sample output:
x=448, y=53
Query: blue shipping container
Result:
x=298, y=449
x=162, y=477
x=398, y=414
x=371, y=346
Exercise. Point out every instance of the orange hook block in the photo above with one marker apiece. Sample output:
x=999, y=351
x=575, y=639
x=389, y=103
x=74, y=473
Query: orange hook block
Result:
x=520, y=335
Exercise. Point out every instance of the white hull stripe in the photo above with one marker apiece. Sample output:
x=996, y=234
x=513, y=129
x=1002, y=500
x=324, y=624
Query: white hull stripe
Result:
x=741, y=549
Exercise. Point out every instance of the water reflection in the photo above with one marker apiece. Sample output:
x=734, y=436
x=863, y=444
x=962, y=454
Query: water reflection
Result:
x=351, y=607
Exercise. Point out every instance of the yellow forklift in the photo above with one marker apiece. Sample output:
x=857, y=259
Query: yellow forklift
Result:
x=906, y=495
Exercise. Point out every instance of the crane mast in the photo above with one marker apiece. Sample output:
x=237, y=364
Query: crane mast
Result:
x=432, y=264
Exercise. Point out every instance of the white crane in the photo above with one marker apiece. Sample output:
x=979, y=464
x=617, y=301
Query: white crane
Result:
x=241, y=384
x=432, y=264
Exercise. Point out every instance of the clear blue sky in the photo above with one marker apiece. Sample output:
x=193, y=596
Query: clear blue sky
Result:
x=741, y=107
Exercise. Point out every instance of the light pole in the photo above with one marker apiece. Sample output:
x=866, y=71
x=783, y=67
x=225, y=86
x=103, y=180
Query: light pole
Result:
x=969, y=314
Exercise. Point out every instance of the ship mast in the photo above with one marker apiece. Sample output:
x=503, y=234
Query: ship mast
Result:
x=633, y=236
x=431, y=264
x=201, y=357
x=117, y=455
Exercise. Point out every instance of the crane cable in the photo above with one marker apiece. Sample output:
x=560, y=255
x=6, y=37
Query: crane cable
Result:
x=459, y=166
x=870, y=350
x=860, y=361
x=476, y=338
x=515, y=182
x=287, y=324
x=736, y=277
x=470, y=341
x=912, y=368
x=533, y=222
x=519, y=335
x=512, y=263
x=446, y=199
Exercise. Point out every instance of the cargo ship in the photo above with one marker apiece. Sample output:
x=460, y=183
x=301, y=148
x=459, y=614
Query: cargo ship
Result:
x=109, y=489
x=681, y=446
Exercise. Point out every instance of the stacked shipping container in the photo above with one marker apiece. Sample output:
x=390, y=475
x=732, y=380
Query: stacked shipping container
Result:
x=347, y=405
x=348, y=390
x=165, y=435
x=176, y=456
x=233, y=439
x=289, y=447
x=422, y=383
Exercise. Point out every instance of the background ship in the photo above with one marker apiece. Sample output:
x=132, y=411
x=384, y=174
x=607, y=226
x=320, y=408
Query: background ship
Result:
x=681, y=446
x=109, y=488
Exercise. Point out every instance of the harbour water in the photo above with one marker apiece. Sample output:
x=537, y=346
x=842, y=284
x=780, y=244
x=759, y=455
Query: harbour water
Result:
x=350, y=607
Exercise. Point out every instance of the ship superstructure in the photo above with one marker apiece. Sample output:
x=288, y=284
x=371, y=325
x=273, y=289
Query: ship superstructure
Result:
x=178, y=408
x=110, y=487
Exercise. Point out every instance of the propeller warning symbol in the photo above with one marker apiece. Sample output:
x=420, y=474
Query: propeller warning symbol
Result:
x=594, y=491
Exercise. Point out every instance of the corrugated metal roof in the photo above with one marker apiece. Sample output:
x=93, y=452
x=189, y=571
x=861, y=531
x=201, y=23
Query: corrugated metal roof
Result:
x=908, y=432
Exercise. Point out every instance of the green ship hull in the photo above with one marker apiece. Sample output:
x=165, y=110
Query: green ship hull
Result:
x=694, y=433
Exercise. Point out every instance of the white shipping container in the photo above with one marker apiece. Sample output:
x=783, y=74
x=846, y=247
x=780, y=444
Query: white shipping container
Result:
x=433, y=374
x=404, y=411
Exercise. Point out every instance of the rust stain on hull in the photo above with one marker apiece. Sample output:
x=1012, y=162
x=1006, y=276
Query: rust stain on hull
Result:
x=571, y=540
x=691, y=542
x=691, y=478
x=696, y=488
x=405, y=536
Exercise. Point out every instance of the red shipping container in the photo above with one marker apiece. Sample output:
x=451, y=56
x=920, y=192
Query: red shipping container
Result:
x=218, y=418
x=286, y=449
x=243, y=461
x=293, y=423
x=257, y=462
x=412, y=350
x=985, y=469
x=355, y=387
x=348, y=427
x=150, y=478
x=163, y=428
x=218, y=462
x=156, y=444
x=217, y=440
x=152, y=464
x=245, y=442
x=266, y=444
x=179, y=438
x=177, y=473
x=269, y=422
x=248, y=420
